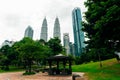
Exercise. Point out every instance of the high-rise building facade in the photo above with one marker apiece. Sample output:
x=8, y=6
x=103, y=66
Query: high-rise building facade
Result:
x=72, y=49
x=66, y=43
x=57, y=29
x=44, y=30
x=78, y=33
x=7, y=42
x=29, y=32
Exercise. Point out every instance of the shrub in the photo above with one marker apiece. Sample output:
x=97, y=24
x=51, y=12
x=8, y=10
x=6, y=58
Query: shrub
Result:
x=28, y=73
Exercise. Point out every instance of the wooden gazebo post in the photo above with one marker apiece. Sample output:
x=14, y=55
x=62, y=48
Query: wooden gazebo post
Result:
x=70, y=69
x=57, y=71
x=64, y=66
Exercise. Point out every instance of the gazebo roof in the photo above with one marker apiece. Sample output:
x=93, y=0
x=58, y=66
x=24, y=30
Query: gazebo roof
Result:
x=58, y=57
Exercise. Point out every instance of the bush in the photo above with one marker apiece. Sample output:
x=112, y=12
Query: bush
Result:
x=28, y=73
x=6, y=68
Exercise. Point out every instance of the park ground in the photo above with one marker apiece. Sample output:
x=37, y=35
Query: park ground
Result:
x=38, y=76
x=110, y=70
x=90, y=71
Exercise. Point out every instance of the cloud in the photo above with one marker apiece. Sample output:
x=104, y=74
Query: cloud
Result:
x=11, y=20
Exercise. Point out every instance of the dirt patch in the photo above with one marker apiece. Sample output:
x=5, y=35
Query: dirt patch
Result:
x=38, y=76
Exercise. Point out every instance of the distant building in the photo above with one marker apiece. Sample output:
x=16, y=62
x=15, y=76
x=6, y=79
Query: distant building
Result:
x=57, y=29
x=44, y=30
x=72, y=49
x=7, y=42
x=78, y=33
x=66, y=43
x=29, y=32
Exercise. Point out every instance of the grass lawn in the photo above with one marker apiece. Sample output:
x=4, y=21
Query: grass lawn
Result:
x=12, y=69
x=109, y=71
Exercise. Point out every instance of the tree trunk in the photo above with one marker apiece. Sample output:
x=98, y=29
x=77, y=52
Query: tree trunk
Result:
x=99, y=59
x=29, y=66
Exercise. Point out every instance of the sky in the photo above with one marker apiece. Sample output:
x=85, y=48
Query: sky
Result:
x=17, y=15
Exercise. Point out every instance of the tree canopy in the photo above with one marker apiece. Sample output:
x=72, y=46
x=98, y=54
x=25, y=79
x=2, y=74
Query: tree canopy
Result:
x=24, y=53
x=102, y=26
x=55, y=45
x=102, y=23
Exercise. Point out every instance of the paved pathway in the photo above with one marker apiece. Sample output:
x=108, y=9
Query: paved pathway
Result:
x=38, y=76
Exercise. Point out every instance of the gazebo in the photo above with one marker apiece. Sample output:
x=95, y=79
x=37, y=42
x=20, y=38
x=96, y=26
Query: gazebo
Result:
x=57, y=69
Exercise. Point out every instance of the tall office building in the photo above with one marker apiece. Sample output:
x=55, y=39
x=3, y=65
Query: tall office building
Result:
x=44, y=30
x=57, y=29
x=29, y=32
x=78, y=33
x=66, y=43
x=72, y=49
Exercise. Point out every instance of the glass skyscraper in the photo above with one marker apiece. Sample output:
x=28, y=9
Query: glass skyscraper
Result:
x=57, y=29
x=78, y=33
x=29, y=32
x=44, y=30
x=66, y=43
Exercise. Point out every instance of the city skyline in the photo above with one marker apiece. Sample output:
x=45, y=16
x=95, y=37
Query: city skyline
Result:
x=15, y=18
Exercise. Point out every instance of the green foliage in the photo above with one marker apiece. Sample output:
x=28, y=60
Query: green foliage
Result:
x=102, y=24
x=11, y=69
x=78, y=61
x=54, y=44
x=30, y=51
x=102, y=28
x=4, y=57
x=26, y=52
x=42, y=42
x=5, y=50
x=28, y=73
x=4, y=62
x=109, y=71
x=94, y=54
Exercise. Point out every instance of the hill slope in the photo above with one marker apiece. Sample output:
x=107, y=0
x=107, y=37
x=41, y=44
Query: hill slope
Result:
x=109, y=71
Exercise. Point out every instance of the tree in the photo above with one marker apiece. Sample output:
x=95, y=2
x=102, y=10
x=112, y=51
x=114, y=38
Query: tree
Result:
x=4, y=62
x=102, y=27
x=45, y=52
x=5, y=59
x=24, y=53
x=28, y=52
x=15, y=54
x=102, y=24
x=42, y=42
x=54, y=44
x=32, y=51
x=5, y=49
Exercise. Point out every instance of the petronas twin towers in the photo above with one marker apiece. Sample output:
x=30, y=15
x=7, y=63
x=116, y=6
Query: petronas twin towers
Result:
x=44, y=30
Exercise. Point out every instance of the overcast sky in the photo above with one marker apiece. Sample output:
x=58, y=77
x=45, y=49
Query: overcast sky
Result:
x=16, y=15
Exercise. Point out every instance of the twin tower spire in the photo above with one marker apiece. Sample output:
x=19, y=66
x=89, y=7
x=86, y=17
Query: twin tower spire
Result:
x=44, y=30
